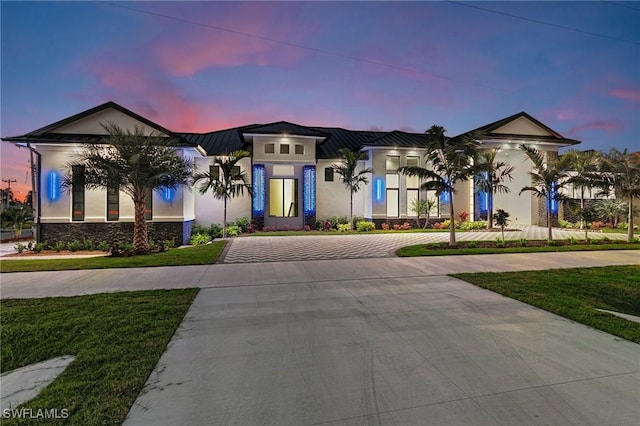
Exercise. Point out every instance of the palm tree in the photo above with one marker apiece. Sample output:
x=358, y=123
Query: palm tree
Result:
x=421, y=207
x=547, y=179
x=352, y=178
x=227, y=184
x=584, y=174
x=502, y=220
x=489, y=178
x=624, y=177
x=451, y=161
x=16, y=217
x=137, y=164
x=610, y=210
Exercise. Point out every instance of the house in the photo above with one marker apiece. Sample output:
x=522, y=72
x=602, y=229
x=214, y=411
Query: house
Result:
x=289, y=168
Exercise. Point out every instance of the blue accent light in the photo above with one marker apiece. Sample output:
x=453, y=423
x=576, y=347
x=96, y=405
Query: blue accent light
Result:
x=378, y=190
x=309, y=190
x=445, y=197
x=553, y=202
x=53, y=185
x=168, y=194
x=483, y=199
x=258, y=190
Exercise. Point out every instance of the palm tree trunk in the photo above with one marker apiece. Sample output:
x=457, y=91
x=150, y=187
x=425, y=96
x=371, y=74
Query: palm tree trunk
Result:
x=224, y=220
x=351, y=210
x=549, y=224
x=490, y=211
x=630, y=221
x=426, y=223
x=582, y=224
x=452, y=225
x=140, y=240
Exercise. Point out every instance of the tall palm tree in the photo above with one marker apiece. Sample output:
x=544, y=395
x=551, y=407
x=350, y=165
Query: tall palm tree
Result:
x=624, y=177
x=226, y=184
x=352, y=178
x=584, y=174
x=137, y=164
x=451, y=161
x=547, y=179
x=490, y=177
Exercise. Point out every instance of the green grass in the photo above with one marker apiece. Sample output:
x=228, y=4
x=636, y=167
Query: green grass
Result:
x=574, y=294
x=117, y=340
x=616, y=231
x=197, y=255
x=429, y=250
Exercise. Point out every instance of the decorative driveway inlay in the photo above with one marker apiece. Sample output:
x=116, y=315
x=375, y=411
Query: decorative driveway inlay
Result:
x=360, y=246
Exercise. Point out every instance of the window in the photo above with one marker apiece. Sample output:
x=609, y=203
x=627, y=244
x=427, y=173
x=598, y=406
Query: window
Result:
x=412, y=195
x=148, y=209
x=283, y=197
x=393, y=162
x=393, y=196
x=235, y=172
x=328, y=174
x=270, y=148
x=214, y=171
x=413, y=161
x=77, y=193
x=113, y=202
x=284, y=148
x=299, y=149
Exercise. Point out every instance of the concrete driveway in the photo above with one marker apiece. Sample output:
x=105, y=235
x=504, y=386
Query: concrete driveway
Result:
x=429, y=350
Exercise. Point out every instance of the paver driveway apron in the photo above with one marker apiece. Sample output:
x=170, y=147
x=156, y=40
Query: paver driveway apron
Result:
x=320, y=247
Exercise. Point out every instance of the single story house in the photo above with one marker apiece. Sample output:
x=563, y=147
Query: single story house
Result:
x=289, y=168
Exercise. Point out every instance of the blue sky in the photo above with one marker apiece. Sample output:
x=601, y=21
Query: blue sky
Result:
x=201, y=66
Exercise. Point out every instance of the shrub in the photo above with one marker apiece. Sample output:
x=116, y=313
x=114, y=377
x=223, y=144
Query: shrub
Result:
x=472, y=244
x=74, y=245
x=364, y=226
x=121, y=250
x=463, y=215
x=473, y=225
x=405, y=226
x=355, y=221
x=523, y=242
x=19, y=247
x=573, y=241
x=343, y=227
x=39, y=247
x=103, y=246
x=242, y=223
x=396, y=227
x=233, y=231
x=199, y=239
x=169, y=244
x=307, y=228
x=88, y=244
x=59, y=246
x=385, y=226
x=554, y=243
x=445, y=224
x=565, y=224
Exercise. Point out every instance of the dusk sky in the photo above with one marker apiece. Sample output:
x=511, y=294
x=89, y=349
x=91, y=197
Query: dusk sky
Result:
x=202, y=66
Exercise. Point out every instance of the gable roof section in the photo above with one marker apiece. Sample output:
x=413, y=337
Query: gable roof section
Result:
x=49, y=134
x=505, y=129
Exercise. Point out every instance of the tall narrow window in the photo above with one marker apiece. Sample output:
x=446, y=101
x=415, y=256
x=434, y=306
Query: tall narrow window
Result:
x=328, y=174
x=148, y=209
x=235, y=172
x=214, y=171
x=283, y=197
x=413, y=185
x=113, y=202
x=77, y=193
x=393, y=196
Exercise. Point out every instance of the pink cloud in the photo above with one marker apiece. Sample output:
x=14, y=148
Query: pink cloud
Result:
x=201, y=47
x=627, y=94
x=612, y=126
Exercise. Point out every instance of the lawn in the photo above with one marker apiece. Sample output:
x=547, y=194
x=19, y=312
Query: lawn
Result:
x=574, y=294
x=441, y=249
x=117, y=340
x=196, y=255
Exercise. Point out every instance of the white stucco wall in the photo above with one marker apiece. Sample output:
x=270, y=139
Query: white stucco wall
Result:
x=332, y=198
x=209, y=210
